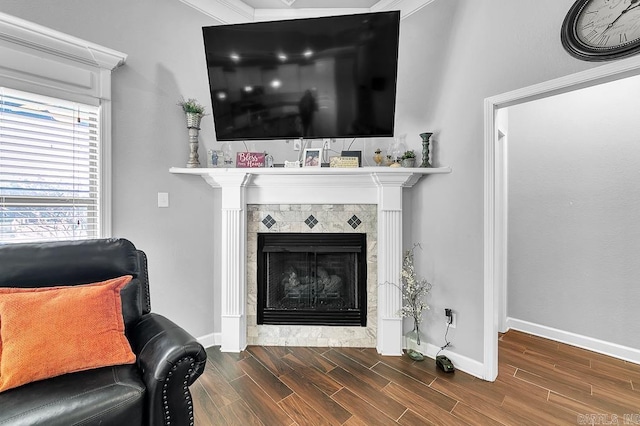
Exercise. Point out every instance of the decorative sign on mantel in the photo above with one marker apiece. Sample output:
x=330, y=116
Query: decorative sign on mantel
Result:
x=250, y=159
x=344, y=162
x=292, y=164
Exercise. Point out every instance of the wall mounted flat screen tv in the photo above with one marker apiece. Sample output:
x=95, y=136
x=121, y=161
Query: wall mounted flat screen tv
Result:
x=329, y=77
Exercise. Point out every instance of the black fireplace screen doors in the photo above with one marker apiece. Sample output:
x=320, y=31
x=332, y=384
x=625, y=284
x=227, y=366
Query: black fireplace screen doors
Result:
x=312, y=279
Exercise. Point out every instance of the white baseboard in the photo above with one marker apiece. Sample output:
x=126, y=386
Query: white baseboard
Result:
x=607, y=348
x=460, y=362
x=210, y=340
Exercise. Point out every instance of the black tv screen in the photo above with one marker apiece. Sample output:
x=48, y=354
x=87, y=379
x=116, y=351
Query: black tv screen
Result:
x=329, y=77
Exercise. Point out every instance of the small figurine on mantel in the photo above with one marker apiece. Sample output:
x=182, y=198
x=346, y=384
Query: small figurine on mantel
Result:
x=377, y=157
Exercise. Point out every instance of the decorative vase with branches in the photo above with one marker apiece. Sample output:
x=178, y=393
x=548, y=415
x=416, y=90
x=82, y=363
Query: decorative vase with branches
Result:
x=414, y=292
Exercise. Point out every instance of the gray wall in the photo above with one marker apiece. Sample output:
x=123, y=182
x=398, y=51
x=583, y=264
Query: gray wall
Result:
x=495, y=46
x=453, y=54
x=574, y=198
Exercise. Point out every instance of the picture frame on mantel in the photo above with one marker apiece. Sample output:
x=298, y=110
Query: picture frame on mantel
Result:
x=312, y=157
x=215, y=158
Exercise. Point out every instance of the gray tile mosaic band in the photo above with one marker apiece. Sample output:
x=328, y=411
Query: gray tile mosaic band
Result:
x=354, y=221
x=268, y=221
x=311, y=221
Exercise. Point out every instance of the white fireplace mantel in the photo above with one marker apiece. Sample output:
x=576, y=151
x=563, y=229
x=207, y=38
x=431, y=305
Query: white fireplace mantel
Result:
x=382, y=186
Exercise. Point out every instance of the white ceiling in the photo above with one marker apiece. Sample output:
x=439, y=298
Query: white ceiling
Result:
x=241, y=11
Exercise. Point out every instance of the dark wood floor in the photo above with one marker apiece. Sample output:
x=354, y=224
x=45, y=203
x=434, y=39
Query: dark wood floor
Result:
x=540, y=382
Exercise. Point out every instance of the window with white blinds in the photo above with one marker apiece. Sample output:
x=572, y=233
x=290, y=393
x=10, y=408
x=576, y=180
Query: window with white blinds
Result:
x=49, y=168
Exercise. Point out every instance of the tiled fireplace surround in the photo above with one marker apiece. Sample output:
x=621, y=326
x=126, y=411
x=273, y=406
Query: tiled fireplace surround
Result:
x=332, y=196
x=311, y=218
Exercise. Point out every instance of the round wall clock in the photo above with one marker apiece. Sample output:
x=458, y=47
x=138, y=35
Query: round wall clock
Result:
x=600, y=30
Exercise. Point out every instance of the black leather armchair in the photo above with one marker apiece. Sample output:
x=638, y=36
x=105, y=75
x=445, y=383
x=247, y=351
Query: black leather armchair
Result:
x=153, y=391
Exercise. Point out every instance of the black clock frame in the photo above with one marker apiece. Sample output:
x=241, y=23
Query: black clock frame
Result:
x=578, y=49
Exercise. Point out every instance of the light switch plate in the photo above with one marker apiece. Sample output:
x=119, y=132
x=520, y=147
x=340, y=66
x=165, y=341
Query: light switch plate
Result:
x=163, y=199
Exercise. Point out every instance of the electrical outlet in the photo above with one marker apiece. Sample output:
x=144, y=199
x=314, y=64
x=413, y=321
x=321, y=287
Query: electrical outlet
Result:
x=450, y=317
x=297, y=145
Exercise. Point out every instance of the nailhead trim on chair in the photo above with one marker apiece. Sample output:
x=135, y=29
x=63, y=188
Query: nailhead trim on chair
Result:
x=185, y=388
x=146, y=284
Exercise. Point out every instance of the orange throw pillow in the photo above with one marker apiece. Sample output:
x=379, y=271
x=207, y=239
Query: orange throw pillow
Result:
x=50, y=331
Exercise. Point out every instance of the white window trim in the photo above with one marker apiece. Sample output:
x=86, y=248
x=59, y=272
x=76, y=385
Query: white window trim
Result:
x=40, y=60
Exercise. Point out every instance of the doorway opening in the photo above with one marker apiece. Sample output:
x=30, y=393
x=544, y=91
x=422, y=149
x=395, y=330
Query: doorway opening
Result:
x=495, y=196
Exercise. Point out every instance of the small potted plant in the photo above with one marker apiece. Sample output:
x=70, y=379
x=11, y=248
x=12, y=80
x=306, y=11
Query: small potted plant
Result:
x=194, y=112
x=409, y=158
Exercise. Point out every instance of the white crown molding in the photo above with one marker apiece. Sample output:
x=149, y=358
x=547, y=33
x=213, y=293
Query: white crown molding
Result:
x=15, y=31
x=406, y=7
x=225, y=11
x=236, y=11
x=282, y=14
